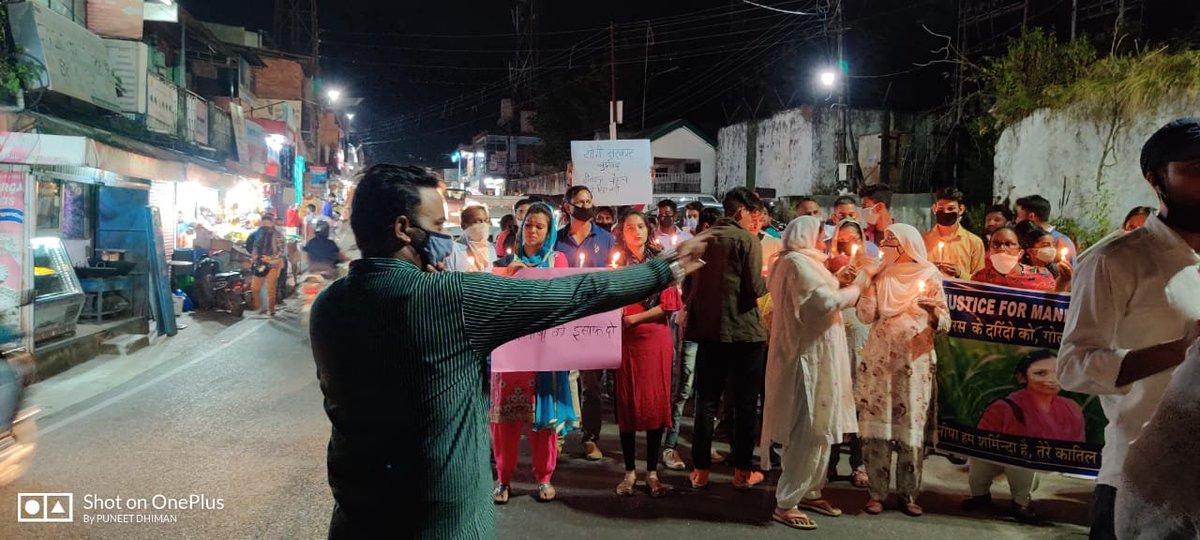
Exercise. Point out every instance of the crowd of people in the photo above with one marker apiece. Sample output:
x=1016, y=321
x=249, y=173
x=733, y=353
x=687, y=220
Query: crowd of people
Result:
x=802, y=342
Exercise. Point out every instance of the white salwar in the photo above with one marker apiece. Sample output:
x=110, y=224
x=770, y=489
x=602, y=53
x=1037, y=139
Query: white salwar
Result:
x=809, y=403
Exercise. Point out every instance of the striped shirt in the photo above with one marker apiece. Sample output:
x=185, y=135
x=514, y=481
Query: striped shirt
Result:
x=401, y=356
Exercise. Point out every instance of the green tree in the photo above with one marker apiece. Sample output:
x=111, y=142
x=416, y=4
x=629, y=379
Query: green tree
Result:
x=573, y=109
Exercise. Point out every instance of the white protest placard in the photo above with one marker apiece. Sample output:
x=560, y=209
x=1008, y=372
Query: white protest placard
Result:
x=616, y=171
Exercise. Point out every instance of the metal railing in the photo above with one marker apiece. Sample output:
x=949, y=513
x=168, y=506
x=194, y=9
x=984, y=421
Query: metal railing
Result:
x=676, y=182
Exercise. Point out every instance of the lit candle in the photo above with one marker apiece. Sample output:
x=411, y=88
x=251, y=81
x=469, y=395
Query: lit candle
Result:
x=1062, y=254
x=853, y=251
x=508, y=252
x=581, y=260
x=674, y=240
x=616, y=258
x=921, y=287
x=941, y=251
x=470, y=261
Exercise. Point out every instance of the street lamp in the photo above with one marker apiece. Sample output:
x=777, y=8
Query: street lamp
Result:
x=334, y=95
x=828, y=78
x=349, y=116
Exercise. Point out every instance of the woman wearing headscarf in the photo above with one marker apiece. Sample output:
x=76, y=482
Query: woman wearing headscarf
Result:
x=809, y=403
x=849, y=233
x=537, y=403
x=905, y=305
x=643, y=382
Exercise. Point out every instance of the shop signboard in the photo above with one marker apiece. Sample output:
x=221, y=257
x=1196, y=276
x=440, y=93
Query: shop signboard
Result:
x=197, y=119
x=130, y=62
x=76, y=60
x=162, y=105
x=39, y=149
x=239, y=133
x=116, y=18
x=256, y=143
x=13, y=262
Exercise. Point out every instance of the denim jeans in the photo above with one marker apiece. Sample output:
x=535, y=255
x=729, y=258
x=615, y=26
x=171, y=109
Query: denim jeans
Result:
x=684, y=375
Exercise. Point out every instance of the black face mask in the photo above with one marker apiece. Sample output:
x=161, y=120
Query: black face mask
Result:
x=844, y=247
x=947, y=219
x=606, y=226
x=1181, y=214
x=582, y=214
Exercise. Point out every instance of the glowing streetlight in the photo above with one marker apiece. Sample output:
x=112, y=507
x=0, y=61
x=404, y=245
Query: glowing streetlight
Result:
x=334, y=95
x=828, y=78
x=349, y=116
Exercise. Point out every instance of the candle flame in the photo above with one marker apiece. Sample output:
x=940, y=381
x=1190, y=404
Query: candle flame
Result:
x=581, y=260
x=921, y=286
x=853, y=250
x=1062, y=254
x=616, y=258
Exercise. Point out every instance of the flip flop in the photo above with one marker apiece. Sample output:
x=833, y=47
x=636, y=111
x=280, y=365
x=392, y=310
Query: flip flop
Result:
x=625, y=488
x=859, y=479
x=799, y=520
x=820, y=506
x=657, y=487
x=543, y=489
x=501, y=494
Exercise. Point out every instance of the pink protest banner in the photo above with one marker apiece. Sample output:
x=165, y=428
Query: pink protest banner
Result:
x=585, y=344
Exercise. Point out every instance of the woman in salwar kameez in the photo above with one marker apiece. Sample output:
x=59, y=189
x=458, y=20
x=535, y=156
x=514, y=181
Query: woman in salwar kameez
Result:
x=537, y=403
x=905, y=305
x=809, y=403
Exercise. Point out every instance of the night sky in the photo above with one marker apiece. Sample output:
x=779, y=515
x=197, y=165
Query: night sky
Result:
x=432, y=73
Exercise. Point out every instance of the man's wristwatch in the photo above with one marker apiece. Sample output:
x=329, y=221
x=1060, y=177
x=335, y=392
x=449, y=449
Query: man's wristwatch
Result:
x=677, y=272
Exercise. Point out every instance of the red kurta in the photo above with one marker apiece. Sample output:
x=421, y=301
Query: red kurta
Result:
x=1023, y=276
x=644, y=379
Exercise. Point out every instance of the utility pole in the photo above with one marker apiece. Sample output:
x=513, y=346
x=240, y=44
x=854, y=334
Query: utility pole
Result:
x=612, y=69
x=843, y=89
x=646, y=73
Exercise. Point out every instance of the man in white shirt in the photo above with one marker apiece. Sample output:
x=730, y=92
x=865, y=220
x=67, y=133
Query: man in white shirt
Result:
x=669, y=234
x=1123, y=339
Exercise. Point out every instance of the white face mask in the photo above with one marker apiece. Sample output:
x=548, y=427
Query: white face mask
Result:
x=477, y=232
x=870, y=216
x=1046, y=254
x=691, y=223
x=1004, y=262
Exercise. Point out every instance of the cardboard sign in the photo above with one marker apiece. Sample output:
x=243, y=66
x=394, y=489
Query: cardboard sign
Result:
x=589, y=343
x=617, y=172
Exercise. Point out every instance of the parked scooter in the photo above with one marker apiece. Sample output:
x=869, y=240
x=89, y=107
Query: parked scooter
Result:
x=228, y=291
x=18, y=431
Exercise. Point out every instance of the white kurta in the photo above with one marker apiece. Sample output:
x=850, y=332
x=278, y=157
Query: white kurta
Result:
x=894, y=382
x=809, y=404
x=1159, y=495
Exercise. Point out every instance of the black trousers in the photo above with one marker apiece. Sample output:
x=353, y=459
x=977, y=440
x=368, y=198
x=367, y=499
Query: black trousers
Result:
x=741, y=366
x=1104, y=516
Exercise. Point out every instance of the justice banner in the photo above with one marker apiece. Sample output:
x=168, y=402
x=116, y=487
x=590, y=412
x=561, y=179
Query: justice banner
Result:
x=998, y=393
x=593, y=342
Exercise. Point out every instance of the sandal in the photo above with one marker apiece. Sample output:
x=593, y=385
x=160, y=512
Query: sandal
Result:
x=911, y=508
x=859, y=479
x=657, y=488
x=625, y=488
x=546, y=493
x=820, y=506
x=501, y=494
x=795, y=519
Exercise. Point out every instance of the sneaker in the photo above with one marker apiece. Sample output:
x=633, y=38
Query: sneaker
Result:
x=977, y=503
x=592, y=452
x=747, y=479
x=671, y=460
x=699, y=478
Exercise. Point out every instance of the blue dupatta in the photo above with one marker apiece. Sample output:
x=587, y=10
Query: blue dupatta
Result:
x=554, y=406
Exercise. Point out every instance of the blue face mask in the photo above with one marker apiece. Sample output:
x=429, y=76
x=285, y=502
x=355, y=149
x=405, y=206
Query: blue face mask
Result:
x=436, y=248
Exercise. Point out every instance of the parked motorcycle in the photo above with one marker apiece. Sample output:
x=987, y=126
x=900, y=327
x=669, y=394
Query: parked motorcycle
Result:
x=228, y=291
x=18, y=431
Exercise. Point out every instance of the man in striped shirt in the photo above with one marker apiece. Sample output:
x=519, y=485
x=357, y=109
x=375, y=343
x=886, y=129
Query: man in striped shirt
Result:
x=401, y=352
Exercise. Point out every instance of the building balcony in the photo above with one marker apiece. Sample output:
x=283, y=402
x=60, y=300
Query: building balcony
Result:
x=676, y=182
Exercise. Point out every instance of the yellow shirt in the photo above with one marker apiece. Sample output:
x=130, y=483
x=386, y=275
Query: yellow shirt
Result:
x=963, y=249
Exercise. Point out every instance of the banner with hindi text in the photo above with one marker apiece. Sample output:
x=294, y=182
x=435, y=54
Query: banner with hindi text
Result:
x=984, y=411
x=593, y=342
